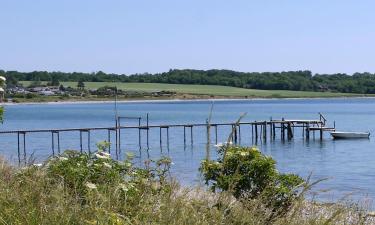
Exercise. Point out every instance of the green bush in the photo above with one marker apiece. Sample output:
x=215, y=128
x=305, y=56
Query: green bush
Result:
x=82, y=172
x=248, y=174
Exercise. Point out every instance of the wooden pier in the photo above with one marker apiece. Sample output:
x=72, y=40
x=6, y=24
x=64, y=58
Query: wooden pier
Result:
x=260, y=131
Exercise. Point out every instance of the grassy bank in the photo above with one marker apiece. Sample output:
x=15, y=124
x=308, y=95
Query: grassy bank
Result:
x=210, y=90
x=76, y=188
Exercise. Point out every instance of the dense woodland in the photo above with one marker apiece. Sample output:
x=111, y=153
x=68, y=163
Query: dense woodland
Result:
x=290, y=80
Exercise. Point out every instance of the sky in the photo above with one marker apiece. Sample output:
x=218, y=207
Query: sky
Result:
x=137, y=36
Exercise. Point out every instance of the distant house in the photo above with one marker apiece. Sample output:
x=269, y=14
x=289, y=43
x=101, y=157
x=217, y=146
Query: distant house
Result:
x=46, y=92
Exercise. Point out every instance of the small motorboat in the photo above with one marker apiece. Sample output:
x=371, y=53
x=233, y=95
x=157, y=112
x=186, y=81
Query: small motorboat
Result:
x=349, y=135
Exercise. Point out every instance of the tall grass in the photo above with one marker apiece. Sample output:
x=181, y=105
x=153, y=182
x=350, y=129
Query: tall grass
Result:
x=45, y=195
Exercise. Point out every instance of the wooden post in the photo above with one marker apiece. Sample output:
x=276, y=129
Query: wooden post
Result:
x=53, y=144
x=256, y=131
x=109, y=140
x=24, y=146
x=239, y=133
x=273, y=131
x=80, y=140
x=58, y=142
x=234, y=128
x=303, y=129
x=308, y=131
x=88, y=141
x=321, y=133
x=19, y=152
x=191, y=134
x=290, y=131
x=147, y=131
x=139, y=132
x=252, y=132
x=160, y=137
x=265, y=131
x=184, y=135
x=168, y=138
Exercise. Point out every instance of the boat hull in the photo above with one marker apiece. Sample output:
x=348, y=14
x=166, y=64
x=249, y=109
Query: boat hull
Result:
x=349, y=135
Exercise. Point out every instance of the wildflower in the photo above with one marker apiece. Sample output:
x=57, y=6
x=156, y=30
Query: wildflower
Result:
x=91, y=185
x=38, y=164
x=63, y=158
x=107, y=165
x=102, y=155
x=242, y=153
x=123, y=187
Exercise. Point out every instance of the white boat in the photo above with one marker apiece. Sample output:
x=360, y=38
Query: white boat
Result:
x=347, y=135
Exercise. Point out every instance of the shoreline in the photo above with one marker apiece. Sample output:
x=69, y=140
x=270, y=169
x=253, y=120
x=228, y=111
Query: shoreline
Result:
x=175, y=100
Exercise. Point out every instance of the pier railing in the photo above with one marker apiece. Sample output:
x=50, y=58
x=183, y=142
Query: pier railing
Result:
x=260, y=130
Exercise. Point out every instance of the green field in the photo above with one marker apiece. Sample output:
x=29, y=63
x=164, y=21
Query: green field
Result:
x=208, y=90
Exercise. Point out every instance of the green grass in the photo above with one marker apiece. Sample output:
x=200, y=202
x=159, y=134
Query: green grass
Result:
x=211, y=90
x=80, y=189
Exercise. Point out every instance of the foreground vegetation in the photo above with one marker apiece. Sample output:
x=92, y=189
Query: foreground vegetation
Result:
x=76, y=188
x=361, y=83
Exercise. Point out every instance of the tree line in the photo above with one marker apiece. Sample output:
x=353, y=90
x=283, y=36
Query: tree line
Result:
x=363, y=83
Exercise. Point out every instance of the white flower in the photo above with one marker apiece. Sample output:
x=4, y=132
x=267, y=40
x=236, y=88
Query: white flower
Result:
x=38, y=164
x=107, y=165
x=219, y=145
x=91, y=185
x=63, y=158
x=123, y=187
x=102, y=155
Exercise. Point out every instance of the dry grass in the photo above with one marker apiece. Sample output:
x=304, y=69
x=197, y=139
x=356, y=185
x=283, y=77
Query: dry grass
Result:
x=28, y=196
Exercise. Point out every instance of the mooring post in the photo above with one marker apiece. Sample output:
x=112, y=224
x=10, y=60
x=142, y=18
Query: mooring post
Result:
x=191, y=134
x=119, y=137
x=252, y=132
x=308, y=131
x=24, y=146
x=19, y=152
x=234, y=128
x=290, y=131
x=160, y=137
x=168, y=138
x=80, y=140
x=109, y=140
x=303, y=129
x=321, y=133
x=184, y=135
x=265, y=131
x=147, y=132
x=239, y=133
x=274, y=130
x=271, y=128
x=256, y=130
x=53, y=144
x=58, y=142
x=88, y=141
x=139, y=131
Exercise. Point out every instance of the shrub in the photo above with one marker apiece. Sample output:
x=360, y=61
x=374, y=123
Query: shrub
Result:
x=248, y=174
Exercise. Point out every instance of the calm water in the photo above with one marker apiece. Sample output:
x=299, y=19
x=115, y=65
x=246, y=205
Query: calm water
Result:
x=349, y=164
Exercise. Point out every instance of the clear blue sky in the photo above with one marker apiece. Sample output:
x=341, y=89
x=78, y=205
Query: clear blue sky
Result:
x=137, y=36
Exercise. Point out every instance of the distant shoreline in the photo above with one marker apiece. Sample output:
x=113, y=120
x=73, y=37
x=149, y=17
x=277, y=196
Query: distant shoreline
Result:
x=174, y=100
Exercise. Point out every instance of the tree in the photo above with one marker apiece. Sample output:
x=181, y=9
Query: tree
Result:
x=81, y=85
x=54, y=81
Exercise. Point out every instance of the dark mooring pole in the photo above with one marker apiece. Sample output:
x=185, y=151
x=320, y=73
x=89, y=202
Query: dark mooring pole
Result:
x=19, y=152
x=80, y=140
x=53, y=144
